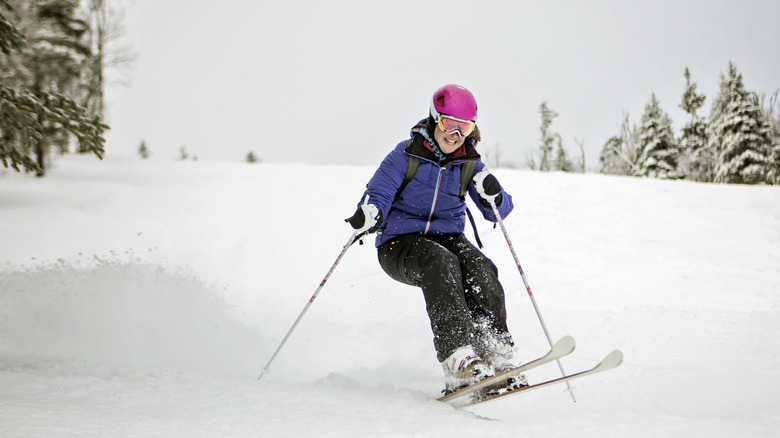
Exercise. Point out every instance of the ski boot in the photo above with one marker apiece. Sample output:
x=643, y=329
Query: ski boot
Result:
x=505, y=361
x=463, y=368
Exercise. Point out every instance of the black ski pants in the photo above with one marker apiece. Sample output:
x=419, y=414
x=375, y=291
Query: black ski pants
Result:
x=464, y=299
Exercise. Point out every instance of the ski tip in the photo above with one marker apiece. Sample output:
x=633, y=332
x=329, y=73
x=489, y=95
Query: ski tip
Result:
x=613, y=359
x=565, y=344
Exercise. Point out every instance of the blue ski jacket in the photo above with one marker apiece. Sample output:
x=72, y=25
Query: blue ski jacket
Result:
x=430, y=202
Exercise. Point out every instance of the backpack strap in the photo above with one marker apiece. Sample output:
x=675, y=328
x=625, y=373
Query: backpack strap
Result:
x=474, y=227
x=466, y=173
x=411, y=170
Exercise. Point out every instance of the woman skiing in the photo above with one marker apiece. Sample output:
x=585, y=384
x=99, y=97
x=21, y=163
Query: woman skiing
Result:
x=415, y=203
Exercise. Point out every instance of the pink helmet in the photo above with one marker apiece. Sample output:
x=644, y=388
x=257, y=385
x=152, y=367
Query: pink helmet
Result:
x=454, y=100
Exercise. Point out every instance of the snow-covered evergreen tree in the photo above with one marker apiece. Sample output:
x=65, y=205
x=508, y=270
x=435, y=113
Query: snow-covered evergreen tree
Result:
x=773, y=176
x=252, y=158
x=562, y=161
x=40, y=58
x=618, y=156
x=143, y=150
x=738, y=133
x=554, y=156
x=548, y=137
x=658, y=150
x=696, y=161
x=771, y=113
x=611, y=162
x=774, y=170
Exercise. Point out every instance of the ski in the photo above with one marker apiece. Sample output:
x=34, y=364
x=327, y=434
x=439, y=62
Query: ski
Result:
x=561, y=348
x=612, y=360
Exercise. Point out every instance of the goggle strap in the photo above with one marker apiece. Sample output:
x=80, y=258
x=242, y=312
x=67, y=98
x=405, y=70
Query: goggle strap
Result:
x=435, y=114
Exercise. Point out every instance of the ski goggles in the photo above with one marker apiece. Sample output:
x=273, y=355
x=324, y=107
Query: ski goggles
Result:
x=450, y=125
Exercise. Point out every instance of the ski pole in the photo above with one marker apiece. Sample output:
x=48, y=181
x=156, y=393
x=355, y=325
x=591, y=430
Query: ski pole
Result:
x=528, y=288
x=311, y=300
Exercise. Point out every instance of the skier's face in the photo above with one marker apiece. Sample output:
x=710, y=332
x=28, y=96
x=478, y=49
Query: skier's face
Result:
x=448, y=143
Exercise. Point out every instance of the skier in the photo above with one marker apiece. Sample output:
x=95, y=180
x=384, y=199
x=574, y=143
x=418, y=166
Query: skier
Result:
x=420, y=242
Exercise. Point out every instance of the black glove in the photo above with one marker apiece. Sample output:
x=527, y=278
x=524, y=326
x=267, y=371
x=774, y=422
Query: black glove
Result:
x=367, y=219
x=491, y=185
x=488, y=188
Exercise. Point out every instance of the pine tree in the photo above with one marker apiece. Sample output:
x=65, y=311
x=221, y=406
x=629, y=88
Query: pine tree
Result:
x=548, y=137
x=143, y=150
x=774, y=171
x=773, y=176
x=562, y=161
x=658, y=150
x=618, y=156
x=580, y=165
x=549, y=141
x=610, y=160
x=252, y=158
x=11, y=38
x=696, y=162
x=34, y=112
x=739, y=134
x=771, y=114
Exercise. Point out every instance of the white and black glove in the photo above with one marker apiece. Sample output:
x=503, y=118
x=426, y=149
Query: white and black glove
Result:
x=488, y=188
x=367, y=219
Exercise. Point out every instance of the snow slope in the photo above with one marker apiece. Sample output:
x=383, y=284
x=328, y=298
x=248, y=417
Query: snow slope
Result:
x=142, y=298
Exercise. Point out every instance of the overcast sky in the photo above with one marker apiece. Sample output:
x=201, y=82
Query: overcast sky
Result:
x=342, y=81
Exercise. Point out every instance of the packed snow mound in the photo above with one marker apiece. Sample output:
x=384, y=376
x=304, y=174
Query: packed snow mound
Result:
x=122, y=313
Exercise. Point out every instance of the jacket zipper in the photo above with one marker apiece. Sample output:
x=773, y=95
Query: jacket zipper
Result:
x=435, y=198
x=438, y=186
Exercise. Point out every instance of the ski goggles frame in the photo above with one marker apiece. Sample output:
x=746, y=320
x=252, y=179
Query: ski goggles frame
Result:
x=450, y=125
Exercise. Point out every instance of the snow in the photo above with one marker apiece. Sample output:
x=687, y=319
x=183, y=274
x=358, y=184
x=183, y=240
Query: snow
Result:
x=143, y=297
